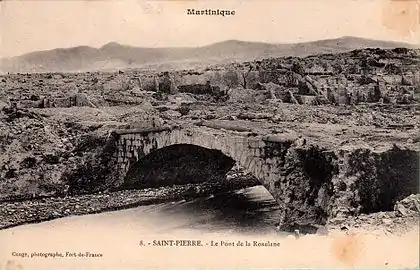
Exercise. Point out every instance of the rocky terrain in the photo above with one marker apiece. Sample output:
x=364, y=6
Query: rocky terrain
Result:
x=360, y=76
x=55, y=127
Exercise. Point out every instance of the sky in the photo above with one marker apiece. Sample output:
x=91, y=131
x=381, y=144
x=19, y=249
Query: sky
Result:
x=27, y=26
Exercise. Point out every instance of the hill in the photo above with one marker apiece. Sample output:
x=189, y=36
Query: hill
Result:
x=116, y=56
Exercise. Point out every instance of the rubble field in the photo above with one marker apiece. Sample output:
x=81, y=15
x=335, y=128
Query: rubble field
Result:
x=54, y=124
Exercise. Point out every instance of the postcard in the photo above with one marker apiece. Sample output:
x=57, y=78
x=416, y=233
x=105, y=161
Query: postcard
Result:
x=209, y=134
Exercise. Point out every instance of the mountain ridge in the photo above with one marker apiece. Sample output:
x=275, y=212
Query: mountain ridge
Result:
x=114, y=55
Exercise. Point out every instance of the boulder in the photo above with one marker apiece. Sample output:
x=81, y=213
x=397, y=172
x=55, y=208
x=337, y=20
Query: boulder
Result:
x=82, y=100
x=409, y=206
x=239, y=95
x=3, y=105
x=272, y=88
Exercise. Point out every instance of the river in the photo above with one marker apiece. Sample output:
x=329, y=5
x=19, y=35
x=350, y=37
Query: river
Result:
x=135, y=239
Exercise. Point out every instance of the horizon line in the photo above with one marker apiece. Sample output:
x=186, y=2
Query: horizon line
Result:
x=209, y=44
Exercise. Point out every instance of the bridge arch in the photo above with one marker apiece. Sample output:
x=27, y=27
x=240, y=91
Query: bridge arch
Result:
x=178, y=164
x=135, y=148
x=298, y=177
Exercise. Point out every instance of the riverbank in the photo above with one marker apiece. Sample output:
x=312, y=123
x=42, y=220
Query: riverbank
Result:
x=402, y=220
x=15, y=213
x=242, y=216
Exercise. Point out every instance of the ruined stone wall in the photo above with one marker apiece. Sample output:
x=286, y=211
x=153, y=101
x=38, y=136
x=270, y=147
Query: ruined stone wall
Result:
x=78, y=100
x=147, y=82
x=349, y=88
x=64, y=102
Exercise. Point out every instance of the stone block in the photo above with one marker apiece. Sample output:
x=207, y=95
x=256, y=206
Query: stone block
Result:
x=136, y=155
x=251, y=164
x=244, y=159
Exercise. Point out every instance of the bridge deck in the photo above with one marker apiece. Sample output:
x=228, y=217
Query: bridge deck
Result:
x=326, y=135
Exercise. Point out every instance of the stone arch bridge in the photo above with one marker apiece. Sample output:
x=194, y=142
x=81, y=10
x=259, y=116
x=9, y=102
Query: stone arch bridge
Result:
x=307, y=178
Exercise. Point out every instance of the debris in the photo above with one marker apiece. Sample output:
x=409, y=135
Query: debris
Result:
x=409, y=206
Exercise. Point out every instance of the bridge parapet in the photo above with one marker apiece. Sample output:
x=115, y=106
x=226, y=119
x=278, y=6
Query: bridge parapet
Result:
x=145, y=130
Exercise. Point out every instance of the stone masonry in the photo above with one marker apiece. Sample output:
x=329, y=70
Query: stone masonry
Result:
x=310, y=182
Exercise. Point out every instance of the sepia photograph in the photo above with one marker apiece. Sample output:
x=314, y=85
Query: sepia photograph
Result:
x=157, y=134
